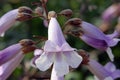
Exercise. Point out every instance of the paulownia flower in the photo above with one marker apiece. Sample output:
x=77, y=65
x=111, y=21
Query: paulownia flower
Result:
x=12, y=56
x=7, y=20
x=57, y=52
x=9, y=60
x=92, y=35
x=107, y=72
x=111, y=12
x=10, y=18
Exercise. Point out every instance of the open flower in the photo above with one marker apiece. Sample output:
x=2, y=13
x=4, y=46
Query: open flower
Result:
x=57, y=52
x=93, y=36
x=107, y=72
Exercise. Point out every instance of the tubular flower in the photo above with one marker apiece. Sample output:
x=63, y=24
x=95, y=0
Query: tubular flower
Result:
x=20, y=14
x=107, y=72
x=7, y=20
x=93, y=36
x=111, y=12
x=12, y=56
x=7, y=68
x=57, y=52
x=9, y=60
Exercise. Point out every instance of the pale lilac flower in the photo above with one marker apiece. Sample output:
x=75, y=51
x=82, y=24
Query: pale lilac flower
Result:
x=111, y=12
x=7, y=20
x=94, y=37
x=9, y=60
x=57, y=52
x=107, y=72
x=9, y=53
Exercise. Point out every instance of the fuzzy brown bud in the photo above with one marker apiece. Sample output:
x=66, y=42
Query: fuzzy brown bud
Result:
x=74, y=22
x=23, y=17
x=25, y=9
x=28, y=49
x=85, y=56
x=26, y=42
x=66, y=12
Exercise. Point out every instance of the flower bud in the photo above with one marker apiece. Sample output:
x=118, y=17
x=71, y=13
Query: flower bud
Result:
x=23, y=17
x=26, y=42
x=76, y=33
x=25, y=9
x=28, y=49
x=52, y=14
x=74, y=22
x=85, y=56
x=39, y=11
x=66, y=12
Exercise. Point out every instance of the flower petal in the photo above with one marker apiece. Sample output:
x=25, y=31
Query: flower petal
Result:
x=44, y=61
x=113, y=35
x=7, y=68
x=110, y=67
x=54, y=76
x=113, y=42
x=60, y=65
x=93, y=31
x=32, y=62
x=116, y=74
x=54, y=32
x=7, y=20
x=51, y=47
x=109, y=78
x=110, y=54
x=96, y=43
x=38, y=52
x=110, y=12
x=66, y=47
x=73, y=59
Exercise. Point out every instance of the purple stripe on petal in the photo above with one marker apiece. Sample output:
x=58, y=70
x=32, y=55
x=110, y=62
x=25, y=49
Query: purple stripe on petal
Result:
x=61, y=66
x=9, y=53
x=7, y=20
x=92, y=31
x=96, y=43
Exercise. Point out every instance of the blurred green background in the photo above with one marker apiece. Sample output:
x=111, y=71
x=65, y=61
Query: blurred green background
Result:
x=87, y=10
